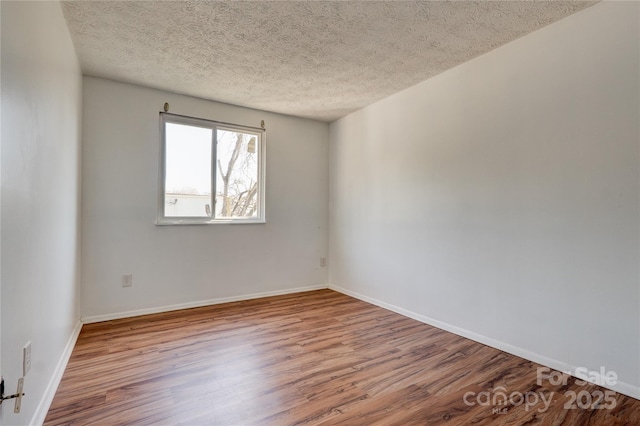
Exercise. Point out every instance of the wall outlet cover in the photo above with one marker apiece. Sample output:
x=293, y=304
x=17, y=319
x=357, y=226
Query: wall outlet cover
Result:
x=127, y=280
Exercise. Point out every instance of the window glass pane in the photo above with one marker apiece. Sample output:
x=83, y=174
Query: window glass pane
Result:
x=187, y=171
x=237, y=175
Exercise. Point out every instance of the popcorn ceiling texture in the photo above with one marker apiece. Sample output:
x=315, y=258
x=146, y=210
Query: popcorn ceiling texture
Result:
x=320, y=60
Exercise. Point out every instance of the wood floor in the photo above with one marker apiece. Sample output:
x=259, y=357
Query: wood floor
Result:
x=317, y=358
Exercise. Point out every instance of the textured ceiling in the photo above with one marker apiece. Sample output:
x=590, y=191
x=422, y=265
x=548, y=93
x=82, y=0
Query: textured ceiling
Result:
x=314, y=59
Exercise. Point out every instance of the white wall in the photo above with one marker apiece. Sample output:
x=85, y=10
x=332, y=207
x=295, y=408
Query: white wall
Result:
x=41, y=115
x=500, y=199
x=189, y=265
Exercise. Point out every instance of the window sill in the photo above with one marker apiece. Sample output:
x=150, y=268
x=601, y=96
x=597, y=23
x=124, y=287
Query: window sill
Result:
x=178, y=221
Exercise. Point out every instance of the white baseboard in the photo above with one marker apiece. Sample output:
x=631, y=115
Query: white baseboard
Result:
x=621, y=387
x=198, y=304
x=43, y=407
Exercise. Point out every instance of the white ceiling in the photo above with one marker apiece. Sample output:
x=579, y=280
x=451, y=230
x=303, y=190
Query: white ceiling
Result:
x=315, y=59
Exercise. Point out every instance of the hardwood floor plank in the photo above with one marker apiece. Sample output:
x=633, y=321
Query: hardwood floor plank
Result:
x=316, y=358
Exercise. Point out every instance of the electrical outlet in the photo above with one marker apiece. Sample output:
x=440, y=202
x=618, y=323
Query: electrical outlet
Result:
x=323, y=262
x=127, y=280
x=26, y=359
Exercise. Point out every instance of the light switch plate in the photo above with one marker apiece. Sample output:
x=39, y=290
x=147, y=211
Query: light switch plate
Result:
x=26, y=359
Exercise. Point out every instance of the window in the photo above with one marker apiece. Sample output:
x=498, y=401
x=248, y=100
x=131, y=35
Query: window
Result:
x=210, y=172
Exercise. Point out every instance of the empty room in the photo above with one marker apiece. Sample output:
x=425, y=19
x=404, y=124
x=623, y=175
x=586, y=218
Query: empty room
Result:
x=320, y=212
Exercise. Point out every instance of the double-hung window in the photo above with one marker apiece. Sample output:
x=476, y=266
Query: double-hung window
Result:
x=210, y=172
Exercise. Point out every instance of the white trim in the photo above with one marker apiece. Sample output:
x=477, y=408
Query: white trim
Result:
x=176, y=307
x=46, y=400
x=201, y=221
x=621, y=387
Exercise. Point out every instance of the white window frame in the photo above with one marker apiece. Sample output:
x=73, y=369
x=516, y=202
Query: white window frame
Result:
x=213, y=125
